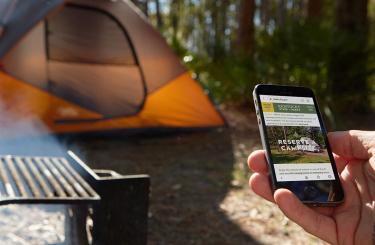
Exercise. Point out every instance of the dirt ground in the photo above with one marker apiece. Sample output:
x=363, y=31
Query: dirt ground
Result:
x=199, y=184
x=199, y=190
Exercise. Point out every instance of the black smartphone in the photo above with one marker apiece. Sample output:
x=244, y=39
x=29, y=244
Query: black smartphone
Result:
x=296, y=144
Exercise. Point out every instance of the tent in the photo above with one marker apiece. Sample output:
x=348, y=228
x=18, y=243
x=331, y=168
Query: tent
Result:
x=93, y=65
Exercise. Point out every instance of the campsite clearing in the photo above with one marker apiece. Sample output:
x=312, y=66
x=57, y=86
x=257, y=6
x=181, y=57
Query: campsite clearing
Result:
x=299, y=157
x=199, y=184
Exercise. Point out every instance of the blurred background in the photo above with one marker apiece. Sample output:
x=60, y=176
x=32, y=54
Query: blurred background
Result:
x=232, y=45
x=199, y=178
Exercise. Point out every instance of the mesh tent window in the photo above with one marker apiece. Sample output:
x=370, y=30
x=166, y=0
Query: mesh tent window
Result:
x=87, y=48
x=87, y=36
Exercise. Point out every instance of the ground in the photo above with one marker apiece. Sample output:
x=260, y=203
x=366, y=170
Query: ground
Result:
x=199, y=181
x=299, y=157
x=199, y=191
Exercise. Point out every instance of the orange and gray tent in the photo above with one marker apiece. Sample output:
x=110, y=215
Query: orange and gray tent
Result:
x=93, y=65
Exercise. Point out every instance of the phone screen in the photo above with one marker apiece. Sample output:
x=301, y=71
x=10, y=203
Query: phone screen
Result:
x=297, y=147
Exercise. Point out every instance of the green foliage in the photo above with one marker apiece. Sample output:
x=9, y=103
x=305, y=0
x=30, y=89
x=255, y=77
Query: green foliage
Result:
x=293, y=157
x=290, y=49
x=178, y=47
x=295, y=55
x=230, y=79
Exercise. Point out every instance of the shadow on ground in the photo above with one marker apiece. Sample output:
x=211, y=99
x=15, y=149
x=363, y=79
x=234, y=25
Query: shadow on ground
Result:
x=191, y=174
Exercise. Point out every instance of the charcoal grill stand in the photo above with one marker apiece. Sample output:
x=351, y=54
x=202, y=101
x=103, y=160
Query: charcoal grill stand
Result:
x=119, y=203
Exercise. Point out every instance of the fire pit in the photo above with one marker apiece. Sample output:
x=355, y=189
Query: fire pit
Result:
x=116, y=201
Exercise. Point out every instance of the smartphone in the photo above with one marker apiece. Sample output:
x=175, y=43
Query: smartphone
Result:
x=296, y=144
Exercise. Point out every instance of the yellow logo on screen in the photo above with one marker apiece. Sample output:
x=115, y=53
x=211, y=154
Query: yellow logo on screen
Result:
x=267, y=107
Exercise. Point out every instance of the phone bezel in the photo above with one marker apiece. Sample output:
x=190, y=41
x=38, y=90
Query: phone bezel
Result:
x=281, y=90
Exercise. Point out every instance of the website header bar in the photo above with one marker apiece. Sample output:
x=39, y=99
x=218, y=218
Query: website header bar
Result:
x=287, y=99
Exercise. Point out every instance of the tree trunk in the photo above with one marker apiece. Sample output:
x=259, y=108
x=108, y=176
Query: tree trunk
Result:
x=223, y=25
x=245, y=35
x=215, y=28
x=300, y=9
x=145, y=7
x=264, y=13
x=349, y=58
x=174, y=10
x=314, y=9
x=284, y=131
x=219, y=22
x=281, y=13
x=159, y=19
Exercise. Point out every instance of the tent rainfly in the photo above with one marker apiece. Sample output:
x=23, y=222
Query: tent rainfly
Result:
x=93, y=65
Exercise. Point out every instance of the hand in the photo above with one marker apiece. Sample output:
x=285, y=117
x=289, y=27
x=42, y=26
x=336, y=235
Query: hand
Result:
x=353, y=221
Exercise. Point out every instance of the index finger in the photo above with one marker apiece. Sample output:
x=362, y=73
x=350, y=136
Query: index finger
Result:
x=257, y=162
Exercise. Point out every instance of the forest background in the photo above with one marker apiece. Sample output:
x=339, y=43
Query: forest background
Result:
x=231, y=45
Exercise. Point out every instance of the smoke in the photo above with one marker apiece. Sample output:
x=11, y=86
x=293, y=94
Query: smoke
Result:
x=24, y=133
x=31, y=138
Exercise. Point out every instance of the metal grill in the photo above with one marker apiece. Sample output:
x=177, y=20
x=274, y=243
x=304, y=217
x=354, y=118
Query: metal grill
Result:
x=42, y=178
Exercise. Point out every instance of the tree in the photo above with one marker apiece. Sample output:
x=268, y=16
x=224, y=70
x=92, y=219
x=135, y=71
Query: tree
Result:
x=349, y=58
x=215, y=44
x=264, y=13
x=218, y=13
x=159, y=19
x=174, y=18
x=281, y=13
x=142, y=5
x=145, y=7
x=314, y=9
x=245, y=34
x=299, y=9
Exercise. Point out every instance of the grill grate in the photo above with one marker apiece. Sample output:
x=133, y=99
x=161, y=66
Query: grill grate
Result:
x=41, y=178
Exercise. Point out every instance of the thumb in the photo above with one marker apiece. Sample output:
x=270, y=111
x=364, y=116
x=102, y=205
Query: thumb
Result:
x=311, y=221
x=353, y=144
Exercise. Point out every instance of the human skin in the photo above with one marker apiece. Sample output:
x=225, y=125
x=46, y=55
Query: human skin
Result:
x=353, y=221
